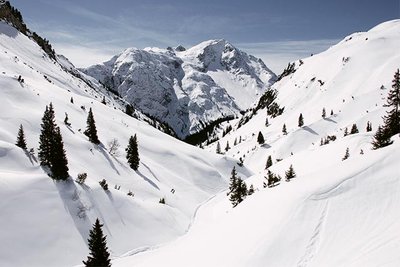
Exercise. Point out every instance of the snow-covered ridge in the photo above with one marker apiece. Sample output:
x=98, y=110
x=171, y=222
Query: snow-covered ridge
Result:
x=187, y=89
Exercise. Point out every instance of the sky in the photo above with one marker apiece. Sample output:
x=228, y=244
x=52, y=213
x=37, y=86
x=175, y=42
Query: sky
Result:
x=92, y=31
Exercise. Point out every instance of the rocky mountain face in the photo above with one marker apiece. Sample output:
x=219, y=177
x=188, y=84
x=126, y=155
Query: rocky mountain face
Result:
x=187, y=89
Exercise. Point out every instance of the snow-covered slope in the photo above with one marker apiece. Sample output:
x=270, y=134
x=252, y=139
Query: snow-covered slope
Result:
x=335, y=212
x=46, y=223
x=187, y=89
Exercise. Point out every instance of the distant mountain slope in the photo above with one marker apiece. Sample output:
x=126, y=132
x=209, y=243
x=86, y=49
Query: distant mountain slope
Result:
x=187, y=89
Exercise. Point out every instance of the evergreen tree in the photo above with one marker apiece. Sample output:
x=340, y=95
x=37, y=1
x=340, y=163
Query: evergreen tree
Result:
x=103, y=101
x=227, y=146
x=392, y=118
x=260, y=138
x=251, y=190
x=266, y=122
x=381, y=138
x=346, y=155
x=59, y=162
x=284, y=131
x=323, y=113
x=99, y=255
x=269, y=162
x=369, y=126
x=346, y=132
x=272, y=179
x=132, y=153
x=290, y=174
x=91, y=130
x=237, y=189
x=218, y=149
x=66, y=120
x=331, y=112
x=71, y=100
x=235, y=142
x=46, y=134
x=301, y=120
x=354, y=129
x=51, y=147
x=129, y=109
x=21, y=138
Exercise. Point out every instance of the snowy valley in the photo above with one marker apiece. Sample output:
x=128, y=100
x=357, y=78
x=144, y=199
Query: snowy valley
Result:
x=341, y=208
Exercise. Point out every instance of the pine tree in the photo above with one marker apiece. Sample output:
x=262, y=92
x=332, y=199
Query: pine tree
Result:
x=354, y=129
x=301, y=120
x=290, y=174
x=103, y=101
x=46, y=134
x=235, y=142
x=132, y=153
x=59, y=162
x=323, y=113
x=218, y=149
x=269, y=162
x=392, y=118
x=266, y=122
x=21, y=138
x=369, y=126
x=251, y=190
x=66, y=120
x=381, y=138
x=51, y=147
x=91, y=130
x=227, y=146
x=237, y=189
x=129, y=109
x=260, y=138
x=346, y=155
x=99, y=255
x=272, y=179
x=284, y=131
x=71, y=100
x=346, y=132
x=331, y=112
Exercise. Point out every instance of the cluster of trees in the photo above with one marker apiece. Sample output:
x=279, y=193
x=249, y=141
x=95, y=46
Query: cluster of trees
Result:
x=238, y=189
x=391, y=122
x=51, y=152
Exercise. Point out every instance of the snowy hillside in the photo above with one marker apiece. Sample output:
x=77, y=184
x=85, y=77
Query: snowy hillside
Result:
x=187, y=89
x=335, y=212
x=46, y=223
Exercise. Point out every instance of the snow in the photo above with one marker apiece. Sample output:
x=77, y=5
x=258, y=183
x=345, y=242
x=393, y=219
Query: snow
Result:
x=188, y=88
x=335, y=212
x=46, y=223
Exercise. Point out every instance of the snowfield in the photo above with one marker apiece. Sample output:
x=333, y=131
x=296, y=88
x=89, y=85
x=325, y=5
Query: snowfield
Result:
x=334, y=213
x=46, y=223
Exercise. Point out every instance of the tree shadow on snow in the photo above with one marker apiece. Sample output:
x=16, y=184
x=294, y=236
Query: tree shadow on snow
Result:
x=31, y=157
x=69, y=194
x=148, y=180
x=308, y=129
x=102, y=149
x=328, y=119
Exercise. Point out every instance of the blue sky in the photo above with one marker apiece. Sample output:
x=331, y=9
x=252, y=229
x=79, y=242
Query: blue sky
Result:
x=91, y=31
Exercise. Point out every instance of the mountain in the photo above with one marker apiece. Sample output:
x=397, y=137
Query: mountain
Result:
x=46, y=222
x=187, y=89
x=335, y=212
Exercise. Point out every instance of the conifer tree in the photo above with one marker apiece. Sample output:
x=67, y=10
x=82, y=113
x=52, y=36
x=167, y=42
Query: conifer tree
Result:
x=251, y=190
x=21, y=138
x=369, y=126
x=218, y=149
x=99, y=255
x=51, y=147
x=66, y=120
x=260, y=138
x=132, y=153
x=331, y=112
x=284, y=131
x=301, y=120
x=290, y=174
x=235, y=142
x=354, y=129
x=237, y=189
x=346, y=155
x=103, y=101
x=269, y=162
x=381, y=138
x=91, y=130
x=323, y=113
x=346, y=132
x=227, y=147
x=266, y=122
x=392, y=118
x=272, y=179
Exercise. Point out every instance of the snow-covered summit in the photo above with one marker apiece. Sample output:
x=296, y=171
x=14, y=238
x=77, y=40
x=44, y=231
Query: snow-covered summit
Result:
x=187, y=89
